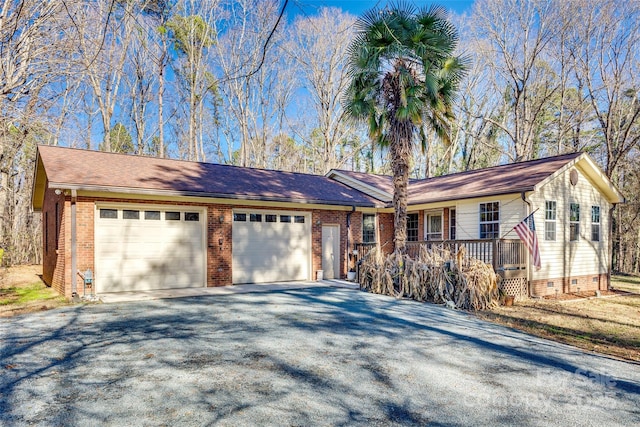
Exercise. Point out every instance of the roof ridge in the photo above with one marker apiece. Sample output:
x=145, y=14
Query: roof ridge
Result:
x=417, y=180
x=539, y=160
x=146, y=156
x=363, y=173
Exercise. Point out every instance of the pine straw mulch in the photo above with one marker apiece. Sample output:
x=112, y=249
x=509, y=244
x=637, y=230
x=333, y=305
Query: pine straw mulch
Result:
x=436, y=275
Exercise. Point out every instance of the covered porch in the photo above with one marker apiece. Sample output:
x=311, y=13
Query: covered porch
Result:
x=507, y=256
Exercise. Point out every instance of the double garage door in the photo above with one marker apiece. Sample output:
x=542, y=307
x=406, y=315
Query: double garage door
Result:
x=271, y=246
x=162, y=247
x=146, y=248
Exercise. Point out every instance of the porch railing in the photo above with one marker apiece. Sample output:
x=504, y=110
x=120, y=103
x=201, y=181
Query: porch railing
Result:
x=507, y=256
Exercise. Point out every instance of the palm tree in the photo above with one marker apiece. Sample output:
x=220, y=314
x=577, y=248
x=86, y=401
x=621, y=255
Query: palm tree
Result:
x=403, y=80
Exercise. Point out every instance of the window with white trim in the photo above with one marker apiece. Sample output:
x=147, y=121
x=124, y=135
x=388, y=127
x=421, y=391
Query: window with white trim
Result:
x=550, y=216
x=108, y=213
x=574, y=222
x=130, y=214
x=285, y=218
x=412, y=227
x=490, y=220
x=152, y=215
x=192, y=216
x=368, y=228
x=433, y=226
x=172, y=216
x=452, y=224
x=595, y=223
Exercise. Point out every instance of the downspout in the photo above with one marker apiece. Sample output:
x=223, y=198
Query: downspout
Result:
x=529, y=272
x=610, y=245
x=74, y=252
x=353, y=209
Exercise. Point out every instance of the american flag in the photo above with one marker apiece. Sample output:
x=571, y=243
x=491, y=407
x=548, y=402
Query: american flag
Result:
x=526, y=230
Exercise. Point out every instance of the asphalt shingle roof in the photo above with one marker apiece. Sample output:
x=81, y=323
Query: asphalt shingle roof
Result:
x=68, y=167
x=504, y=179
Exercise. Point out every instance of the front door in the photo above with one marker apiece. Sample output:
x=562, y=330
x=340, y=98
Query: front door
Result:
x=331, y=251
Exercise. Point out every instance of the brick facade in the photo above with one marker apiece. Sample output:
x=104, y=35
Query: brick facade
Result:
x=57, y=263
x=590, y=282
x=385, y=226
x=53, y=239
x=57, y=241
x=445, y=224
x=421, y=225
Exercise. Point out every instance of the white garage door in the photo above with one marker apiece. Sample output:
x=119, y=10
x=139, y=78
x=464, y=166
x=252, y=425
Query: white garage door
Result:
x=146, y=248
x=271, y=246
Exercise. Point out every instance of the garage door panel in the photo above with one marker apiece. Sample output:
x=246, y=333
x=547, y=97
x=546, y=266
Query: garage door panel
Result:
x=176, y=250
x=271, y=251
x=148, y=282
x=149, y=254
x=158, y=265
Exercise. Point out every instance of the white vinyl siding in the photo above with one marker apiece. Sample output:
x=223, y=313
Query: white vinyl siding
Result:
x=563, y=258
x=512, y=211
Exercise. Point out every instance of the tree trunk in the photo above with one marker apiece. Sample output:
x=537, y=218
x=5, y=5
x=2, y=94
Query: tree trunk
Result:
x=400, y=151
x=160, y=147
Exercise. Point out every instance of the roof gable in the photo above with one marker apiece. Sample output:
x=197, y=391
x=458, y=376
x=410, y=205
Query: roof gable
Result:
x=69, y=168
x=378, y=186
x=594, y=174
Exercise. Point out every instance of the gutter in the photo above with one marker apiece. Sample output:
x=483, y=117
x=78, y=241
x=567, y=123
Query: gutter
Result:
x=240, y=197
x=353, y=209
x=419, y=203
x=74, y=251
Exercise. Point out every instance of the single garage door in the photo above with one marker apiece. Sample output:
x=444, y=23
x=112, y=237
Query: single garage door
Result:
x=271, y=246
x=147, y=248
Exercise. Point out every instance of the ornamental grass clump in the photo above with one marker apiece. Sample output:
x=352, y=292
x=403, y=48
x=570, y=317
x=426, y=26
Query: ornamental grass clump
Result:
x=436, y=275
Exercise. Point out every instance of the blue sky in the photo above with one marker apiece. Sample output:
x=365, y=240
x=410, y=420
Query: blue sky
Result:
x=356, y=7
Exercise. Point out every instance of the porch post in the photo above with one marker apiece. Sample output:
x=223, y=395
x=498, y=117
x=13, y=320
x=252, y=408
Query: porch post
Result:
x=495, y=254
x=74, y=252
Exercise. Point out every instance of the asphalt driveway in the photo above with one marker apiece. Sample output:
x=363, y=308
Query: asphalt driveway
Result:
x=320, y=356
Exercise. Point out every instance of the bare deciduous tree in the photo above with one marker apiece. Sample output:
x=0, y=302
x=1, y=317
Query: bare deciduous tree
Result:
x=606, y=48
x=193, y=35
x=255, y=85
x=319, y=46
x=518, y=34
x=103, y=33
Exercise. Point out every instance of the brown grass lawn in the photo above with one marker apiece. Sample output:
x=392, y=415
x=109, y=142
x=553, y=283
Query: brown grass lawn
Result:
x=609, y=325
x=23, y=291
